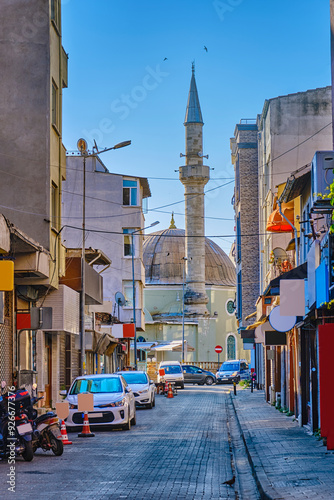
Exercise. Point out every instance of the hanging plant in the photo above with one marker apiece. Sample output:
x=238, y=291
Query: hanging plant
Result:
x=271, y=257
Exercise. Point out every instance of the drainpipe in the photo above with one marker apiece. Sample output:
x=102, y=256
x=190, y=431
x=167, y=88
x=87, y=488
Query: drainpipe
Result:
x=294, y=229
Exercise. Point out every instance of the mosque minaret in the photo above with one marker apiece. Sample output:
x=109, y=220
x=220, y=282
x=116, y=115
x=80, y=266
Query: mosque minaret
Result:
x=194, y=176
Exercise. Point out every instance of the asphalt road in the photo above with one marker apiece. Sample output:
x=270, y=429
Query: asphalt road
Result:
x=181, y=449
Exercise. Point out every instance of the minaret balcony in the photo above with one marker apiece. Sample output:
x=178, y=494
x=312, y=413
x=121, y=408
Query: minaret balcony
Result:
x=194, y=173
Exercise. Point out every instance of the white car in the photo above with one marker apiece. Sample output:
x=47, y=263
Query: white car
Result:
x=173, y=373
x=114, y=402
x=142, y=387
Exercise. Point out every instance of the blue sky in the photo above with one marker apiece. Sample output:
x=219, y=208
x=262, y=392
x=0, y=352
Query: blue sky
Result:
x=121, y=88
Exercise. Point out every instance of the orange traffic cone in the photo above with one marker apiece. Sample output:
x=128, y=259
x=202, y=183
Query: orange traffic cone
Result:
x=63, y=433
x=85, y=429
x=170, y=391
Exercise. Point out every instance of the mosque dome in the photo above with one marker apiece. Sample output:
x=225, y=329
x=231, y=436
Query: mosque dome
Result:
x=163, y=252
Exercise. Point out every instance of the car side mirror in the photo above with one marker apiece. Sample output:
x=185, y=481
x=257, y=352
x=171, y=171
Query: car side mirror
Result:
x=63, y=392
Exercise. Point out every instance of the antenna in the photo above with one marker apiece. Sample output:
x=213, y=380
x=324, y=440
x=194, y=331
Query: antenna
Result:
x=120, y=300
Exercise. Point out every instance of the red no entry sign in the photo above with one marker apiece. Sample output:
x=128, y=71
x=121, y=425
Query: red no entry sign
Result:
x=218, y=348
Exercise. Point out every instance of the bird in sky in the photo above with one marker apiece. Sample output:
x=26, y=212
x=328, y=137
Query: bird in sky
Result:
x=230, y=481
x=165, y=58
x=205, y=48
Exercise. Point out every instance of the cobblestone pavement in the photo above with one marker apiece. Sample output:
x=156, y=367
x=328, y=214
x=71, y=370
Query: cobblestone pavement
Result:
x=287, y=462
x=181, y=449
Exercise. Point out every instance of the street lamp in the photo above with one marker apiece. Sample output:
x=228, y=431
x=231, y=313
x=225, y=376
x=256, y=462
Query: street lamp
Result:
x=82, y=147
x=134, y=287
x=184, y=261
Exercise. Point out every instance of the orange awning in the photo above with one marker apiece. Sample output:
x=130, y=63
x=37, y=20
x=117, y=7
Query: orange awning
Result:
x=277, y=224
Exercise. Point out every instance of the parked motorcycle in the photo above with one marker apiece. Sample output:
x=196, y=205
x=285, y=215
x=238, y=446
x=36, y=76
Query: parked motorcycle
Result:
x=46, y=430
x=15, y=428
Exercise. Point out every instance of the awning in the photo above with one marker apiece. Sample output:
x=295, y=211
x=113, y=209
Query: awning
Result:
x=292, y=244
x=144, y=346
x=105, y=344
x=277, y=224
x=175, y=345
x=257, y=323
x=299, y=272
x=294, y=187
x=251, y=315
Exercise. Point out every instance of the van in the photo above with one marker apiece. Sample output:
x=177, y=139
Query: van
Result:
x=173, y=373
x=233, y=369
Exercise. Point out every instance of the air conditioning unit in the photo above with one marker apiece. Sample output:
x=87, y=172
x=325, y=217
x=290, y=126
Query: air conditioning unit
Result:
x=321, y=177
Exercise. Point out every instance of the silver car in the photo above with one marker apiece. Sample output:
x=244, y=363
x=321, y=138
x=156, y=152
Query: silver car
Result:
x=114, y=402
x=143, y=388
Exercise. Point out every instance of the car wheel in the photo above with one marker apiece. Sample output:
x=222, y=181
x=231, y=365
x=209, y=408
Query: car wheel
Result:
x=182, y=385
x=209, y=380
x=153, y=402
x=134, y=420
x=127, y=426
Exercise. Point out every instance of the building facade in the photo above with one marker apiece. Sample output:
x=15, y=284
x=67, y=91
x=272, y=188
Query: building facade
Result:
x=113, y=210
x=34, y=165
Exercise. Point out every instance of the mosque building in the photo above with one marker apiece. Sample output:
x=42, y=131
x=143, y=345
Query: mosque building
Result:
x=190, y=282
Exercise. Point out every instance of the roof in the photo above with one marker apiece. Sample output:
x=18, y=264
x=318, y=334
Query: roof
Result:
x=193, y=112
x=164, y=250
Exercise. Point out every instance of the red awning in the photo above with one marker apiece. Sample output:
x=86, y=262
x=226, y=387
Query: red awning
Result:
x=277, y=224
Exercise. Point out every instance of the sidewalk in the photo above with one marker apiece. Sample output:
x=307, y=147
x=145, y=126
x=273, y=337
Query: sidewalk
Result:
x=287, y=463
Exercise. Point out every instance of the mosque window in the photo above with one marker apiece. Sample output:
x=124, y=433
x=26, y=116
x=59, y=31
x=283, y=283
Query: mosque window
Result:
x=231, y=354
x=130, y=191
x=230, y=307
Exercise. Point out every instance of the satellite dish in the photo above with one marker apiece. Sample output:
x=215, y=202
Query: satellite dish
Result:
x=281, y=323
x=120, y=299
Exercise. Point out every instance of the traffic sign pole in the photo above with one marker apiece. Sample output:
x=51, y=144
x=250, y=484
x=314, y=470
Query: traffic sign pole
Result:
x=218, y=350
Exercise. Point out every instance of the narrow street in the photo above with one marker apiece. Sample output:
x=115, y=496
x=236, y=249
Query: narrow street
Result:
x=178, y=450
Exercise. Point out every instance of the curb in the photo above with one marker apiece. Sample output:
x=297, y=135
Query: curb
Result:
x=256, y=466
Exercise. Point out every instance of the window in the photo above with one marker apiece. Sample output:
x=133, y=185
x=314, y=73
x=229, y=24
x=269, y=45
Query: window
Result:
x=238, y=238
x=128, y=242
x=54, y=206
x=128, y=294
x=231, y=348
x=54, y=105
x=230, y=307
x=130, y=193
x=239, y=295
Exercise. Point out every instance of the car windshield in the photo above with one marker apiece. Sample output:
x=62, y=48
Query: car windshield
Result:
x=97, y=385
x=229, y=367
x=172, y=369
x=135, y=378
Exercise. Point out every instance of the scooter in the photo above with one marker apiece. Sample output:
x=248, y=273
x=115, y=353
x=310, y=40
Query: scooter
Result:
x=46, y=430
x=15, y=429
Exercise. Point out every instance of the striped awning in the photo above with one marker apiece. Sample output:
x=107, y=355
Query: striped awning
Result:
x=257, y=323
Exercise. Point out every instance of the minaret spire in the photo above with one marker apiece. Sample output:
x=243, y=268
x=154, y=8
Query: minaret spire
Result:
x=194, y=175
x=193, y=112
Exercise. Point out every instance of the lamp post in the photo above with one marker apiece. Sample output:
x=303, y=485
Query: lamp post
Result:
x=184, y=259
x=134, y=286
x=82, y=147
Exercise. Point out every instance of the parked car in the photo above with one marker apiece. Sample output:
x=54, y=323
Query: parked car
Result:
x=114, y=402
x=233, y=369
x=194, y=375
x=142, y=387
x=173, y=373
